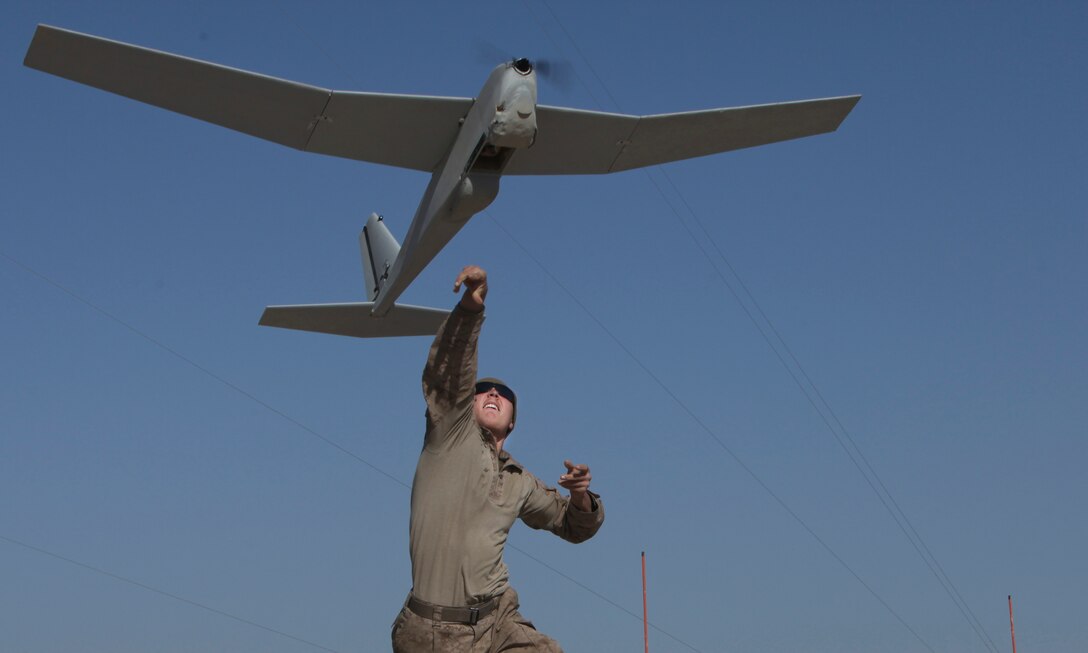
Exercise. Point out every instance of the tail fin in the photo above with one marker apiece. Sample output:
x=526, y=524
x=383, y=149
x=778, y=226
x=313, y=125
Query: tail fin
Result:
x=379, y=249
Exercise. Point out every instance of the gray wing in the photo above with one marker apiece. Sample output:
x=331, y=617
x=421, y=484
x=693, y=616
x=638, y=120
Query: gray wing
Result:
x=571, y=141
x=401, y=130
x=408, y=131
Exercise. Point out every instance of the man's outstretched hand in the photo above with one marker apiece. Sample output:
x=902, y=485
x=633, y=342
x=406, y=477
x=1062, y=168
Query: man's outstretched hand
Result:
x=576, y=481
x=475, y=279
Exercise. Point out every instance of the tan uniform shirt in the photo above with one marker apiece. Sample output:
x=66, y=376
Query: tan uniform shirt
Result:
x=466, y=495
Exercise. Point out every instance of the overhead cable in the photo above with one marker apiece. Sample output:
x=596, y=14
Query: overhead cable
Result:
x=870, y=476
x=305, y=428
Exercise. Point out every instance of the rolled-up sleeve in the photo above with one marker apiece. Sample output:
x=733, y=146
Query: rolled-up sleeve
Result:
x=546, y=509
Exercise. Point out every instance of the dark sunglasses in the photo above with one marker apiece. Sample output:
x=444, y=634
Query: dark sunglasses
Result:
x=504, y=392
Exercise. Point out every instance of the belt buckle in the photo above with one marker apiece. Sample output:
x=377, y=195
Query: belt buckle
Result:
x=473, y=616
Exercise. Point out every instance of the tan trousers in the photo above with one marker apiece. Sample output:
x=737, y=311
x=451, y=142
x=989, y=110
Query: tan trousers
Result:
x=502, y=630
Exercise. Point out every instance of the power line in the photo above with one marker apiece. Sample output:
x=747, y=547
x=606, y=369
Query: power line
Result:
x=176, y=597
x=328, y=56
x=188, y=361
x=821, y=405
x=714, y=436
x=602, y=597
x=310, y=431
x=868, y=472
x=377, y=469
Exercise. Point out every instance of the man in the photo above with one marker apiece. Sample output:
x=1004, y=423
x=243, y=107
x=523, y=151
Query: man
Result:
x=466, y=495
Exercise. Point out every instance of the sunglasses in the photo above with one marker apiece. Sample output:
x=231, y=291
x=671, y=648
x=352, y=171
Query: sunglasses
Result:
x=504, y=392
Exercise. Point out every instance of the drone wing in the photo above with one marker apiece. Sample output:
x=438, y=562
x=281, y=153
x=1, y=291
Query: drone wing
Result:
x=572, y=141
x=412, y=131
x=407, y=131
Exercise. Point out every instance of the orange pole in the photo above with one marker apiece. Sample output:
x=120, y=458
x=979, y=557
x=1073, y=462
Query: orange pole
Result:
x=645, y=620
x=1012, y=630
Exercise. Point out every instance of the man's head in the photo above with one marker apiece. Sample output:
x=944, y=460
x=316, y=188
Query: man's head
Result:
x=496, y=406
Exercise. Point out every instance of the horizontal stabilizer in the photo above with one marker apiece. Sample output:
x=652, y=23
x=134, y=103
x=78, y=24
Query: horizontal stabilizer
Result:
x=355, y=319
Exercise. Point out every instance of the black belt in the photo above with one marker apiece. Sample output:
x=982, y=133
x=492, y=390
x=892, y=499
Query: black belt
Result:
x=467, y=615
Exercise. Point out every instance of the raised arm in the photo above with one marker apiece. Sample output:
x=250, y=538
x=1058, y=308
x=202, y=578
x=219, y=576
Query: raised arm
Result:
x=449, y=377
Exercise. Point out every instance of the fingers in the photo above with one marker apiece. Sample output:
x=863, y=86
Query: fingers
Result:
x=475, y=281
x=575, y=470
x=581, y=483
x=577, y=477
x=470, y=275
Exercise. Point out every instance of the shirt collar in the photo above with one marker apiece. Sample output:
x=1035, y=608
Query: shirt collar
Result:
x=508, y=461
x=505, y=458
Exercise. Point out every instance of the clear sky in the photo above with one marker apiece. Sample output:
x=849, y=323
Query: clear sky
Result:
x=924, y=267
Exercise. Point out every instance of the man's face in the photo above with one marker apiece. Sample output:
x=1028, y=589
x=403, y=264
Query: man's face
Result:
x=494, y=412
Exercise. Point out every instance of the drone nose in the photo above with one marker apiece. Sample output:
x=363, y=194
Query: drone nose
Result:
x=523, y=66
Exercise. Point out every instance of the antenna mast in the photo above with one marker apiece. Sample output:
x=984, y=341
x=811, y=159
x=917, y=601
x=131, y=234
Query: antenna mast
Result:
x=1012, y=631
x=645, y=621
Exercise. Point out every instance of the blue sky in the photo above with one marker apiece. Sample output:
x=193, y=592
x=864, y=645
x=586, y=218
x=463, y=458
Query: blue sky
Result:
x=924, y=267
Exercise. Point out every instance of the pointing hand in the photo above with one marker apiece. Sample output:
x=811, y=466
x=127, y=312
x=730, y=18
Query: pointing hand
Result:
x=475, y=279
x=576, y=481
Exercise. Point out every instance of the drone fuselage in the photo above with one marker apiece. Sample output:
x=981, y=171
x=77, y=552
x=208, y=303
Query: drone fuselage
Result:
x=502, y=120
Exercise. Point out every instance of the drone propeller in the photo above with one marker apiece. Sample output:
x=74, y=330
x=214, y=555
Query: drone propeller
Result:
x=556, y=71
